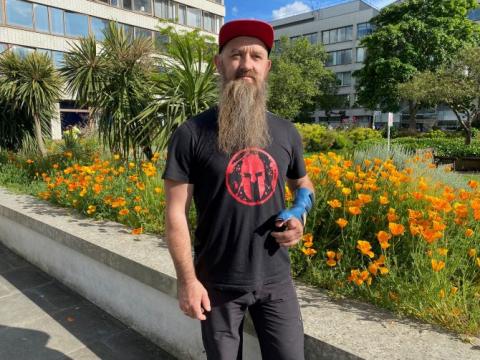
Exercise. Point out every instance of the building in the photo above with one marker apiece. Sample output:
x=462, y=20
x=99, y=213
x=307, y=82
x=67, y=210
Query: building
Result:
x=340, y=29
x=51, y=26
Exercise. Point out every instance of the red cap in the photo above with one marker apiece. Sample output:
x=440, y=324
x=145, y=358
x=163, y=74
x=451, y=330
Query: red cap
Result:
x=253, y=28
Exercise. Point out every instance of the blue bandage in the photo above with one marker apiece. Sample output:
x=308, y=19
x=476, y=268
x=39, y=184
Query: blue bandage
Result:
x=301, y=206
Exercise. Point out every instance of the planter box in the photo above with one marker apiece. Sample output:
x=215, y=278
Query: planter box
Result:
x=133, y=278
x=467, y=164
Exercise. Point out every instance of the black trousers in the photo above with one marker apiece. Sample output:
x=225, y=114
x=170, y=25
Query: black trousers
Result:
x=276, y=316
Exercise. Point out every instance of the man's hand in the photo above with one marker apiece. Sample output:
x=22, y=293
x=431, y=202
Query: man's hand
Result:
x=193, y=299
x=292, y=234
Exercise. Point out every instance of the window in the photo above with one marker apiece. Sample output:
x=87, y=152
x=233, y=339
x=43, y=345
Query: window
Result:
x=161, y=41
x=22, y=51
x=76, y=24
x=3, y=47
x=56, y=21
x=194, y=17
x=1, y=16
x=364, y=29
x=141, y=32
x=172, y=10
x=182, y=14
x=360, y=55
x=312, y=37
x=340, y=57
x=161, y=8
x=129, y=30
x=115, y=3
x=337, y=35
x=474, y=15
x=20, y=13
x=208, y=22
x=219, y=21
x=143, y=6
x=344, y=101
x=98, y=26
x=41, y=17
x=57, y=57
x=127, y=4
x=344, y=78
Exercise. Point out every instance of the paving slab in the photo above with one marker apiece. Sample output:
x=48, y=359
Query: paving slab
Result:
x=40, y=318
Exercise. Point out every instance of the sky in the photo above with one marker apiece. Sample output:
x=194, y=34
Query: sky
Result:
x=275, y=9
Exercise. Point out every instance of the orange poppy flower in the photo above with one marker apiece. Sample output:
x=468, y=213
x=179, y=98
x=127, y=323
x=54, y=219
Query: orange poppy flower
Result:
x=437, y=265
x=341, y=222
x=365, y=248
x=396, y=229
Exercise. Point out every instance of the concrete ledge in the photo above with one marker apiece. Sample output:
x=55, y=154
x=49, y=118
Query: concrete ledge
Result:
x=133, y=278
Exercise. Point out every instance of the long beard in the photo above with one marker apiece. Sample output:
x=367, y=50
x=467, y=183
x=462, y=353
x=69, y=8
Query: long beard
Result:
x=242, y=121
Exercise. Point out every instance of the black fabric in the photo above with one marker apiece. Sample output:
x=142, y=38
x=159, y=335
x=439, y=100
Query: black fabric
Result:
x=275, y=313
x=237, y=198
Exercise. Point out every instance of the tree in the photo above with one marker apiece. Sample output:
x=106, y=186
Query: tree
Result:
x=456, y=85
x=32, y=85
x=298, y=79
x=185, y=85
x=411, y=36
x=116, y=83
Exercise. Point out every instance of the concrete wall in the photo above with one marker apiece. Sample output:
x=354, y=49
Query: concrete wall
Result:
x=133, y=278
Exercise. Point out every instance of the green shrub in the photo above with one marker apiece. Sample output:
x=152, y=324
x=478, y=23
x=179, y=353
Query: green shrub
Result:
x=443, y=147
x=358, y=135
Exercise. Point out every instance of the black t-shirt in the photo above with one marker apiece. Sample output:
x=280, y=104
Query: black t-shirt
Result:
x=237, y=199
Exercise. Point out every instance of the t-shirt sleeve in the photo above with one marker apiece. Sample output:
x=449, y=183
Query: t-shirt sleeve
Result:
x=180, y=156
x=296, y=168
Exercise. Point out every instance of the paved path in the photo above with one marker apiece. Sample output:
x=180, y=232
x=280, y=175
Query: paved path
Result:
x=40, y=319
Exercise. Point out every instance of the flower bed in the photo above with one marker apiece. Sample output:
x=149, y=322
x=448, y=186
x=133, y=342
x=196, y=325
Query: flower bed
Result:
x=400, y=240
x=394, y=236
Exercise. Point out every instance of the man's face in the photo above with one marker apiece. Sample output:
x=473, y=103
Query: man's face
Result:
x=244, y=58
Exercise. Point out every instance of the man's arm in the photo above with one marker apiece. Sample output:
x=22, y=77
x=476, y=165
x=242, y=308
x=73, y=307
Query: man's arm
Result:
x=192, y=296
x=293, y=234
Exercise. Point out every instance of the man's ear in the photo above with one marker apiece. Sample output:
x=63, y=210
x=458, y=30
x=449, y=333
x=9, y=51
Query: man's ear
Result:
x=218, y=62
x=269, y=65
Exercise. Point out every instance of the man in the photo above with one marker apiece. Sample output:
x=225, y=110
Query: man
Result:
x=234, y=160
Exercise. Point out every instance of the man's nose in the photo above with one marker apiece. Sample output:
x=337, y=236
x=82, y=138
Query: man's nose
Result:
x=246, y=63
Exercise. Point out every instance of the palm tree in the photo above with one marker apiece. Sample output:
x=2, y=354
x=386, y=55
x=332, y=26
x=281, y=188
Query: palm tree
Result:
x=184, y=86
x=115, y=83
x=31, y=83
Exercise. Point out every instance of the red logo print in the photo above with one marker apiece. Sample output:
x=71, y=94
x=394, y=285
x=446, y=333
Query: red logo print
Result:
x=251, y=176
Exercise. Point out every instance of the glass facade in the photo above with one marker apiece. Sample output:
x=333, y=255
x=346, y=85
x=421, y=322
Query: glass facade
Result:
x=360, y=57
x=364, y=29
x=3, y=47
x=337, y=35
x=145, y=33
x=344, y=78
x=22, y=51
x=19, y=13
x=143, y=6
x=209, y=22
x=98, y=27
x=194, y=17
x=57, y=57
x=182, y=14
x=340, y=57
x=474, y=15
x=56, y=21
x=41, y=18
x=76, y=25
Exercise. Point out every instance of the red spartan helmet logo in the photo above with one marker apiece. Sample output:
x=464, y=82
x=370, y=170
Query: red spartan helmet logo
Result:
x=251, y=176
x=253, y=172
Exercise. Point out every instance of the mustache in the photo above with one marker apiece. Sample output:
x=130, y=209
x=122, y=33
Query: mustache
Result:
x=249, y=73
